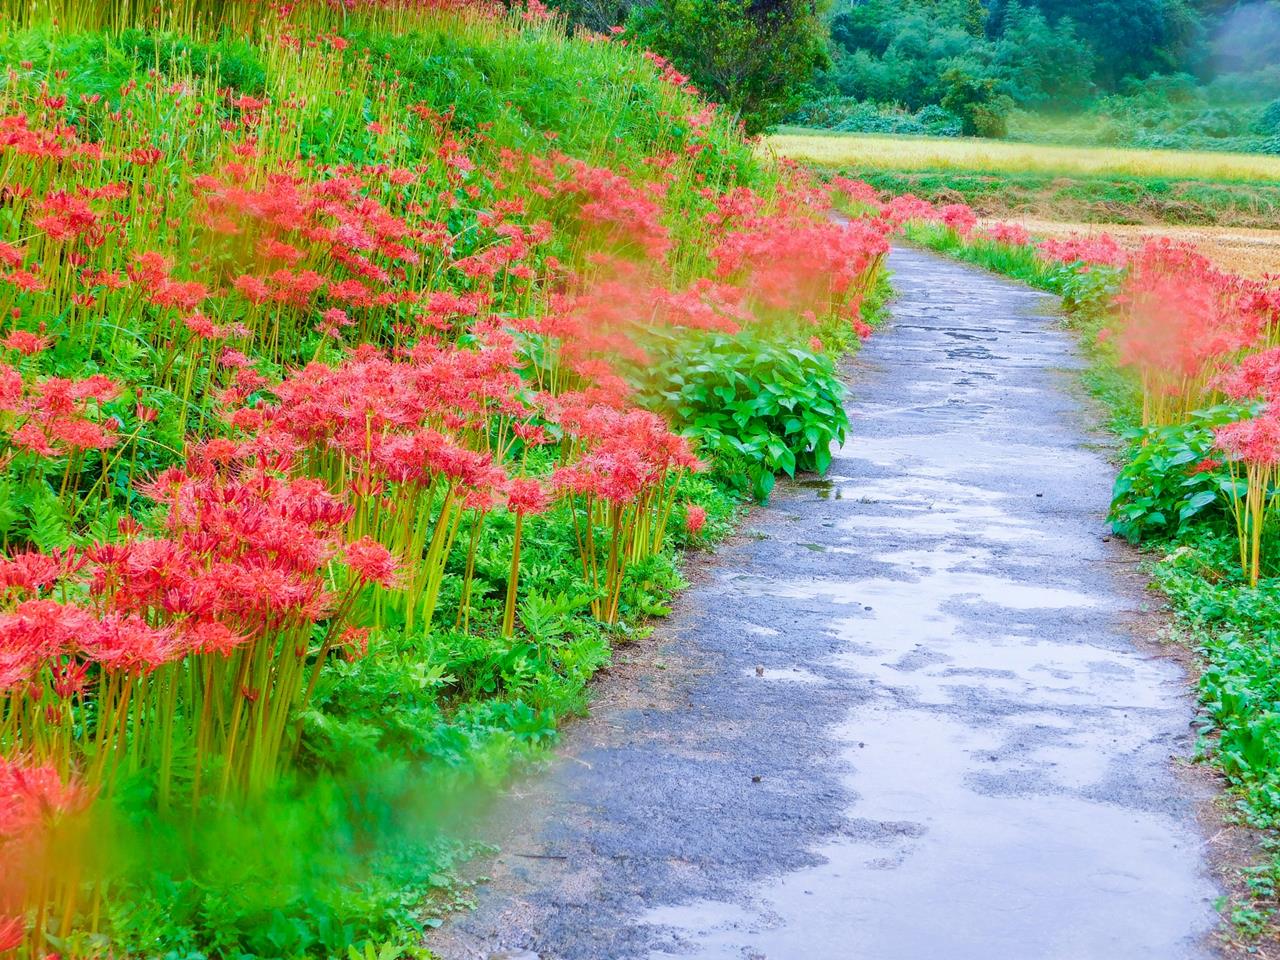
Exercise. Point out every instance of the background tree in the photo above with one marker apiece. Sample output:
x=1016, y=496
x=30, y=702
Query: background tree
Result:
x=975, y=19
x=1129, y=37
x=1039, y=64
x=757, y=57
x=597, y=15
x=983, y=110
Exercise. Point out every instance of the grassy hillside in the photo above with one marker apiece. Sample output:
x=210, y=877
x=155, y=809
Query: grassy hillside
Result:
x=364, y=372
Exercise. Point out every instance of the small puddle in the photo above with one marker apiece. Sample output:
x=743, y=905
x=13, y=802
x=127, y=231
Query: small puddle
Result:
x=788, y=675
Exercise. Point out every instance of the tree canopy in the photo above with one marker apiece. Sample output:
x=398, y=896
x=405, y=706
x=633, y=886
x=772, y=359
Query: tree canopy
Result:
x=756, y=57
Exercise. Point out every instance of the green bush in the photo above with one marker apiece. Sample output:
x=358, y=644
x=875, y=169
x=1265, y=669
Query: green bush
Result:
x=983, y=110
x=755, y=58
x=1269, y=120
x=1170, y=477
x=849, y=115
x=756, y=406
x=1238, y=630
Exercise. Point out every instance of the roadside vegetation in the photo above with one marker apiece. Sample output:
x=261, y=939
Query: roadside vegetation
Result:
x=1186, y=358
x=364, y=373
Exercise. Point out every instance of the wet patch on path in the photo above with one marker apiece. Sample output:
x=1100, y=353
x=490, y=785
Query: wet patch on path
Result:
x=907, y=719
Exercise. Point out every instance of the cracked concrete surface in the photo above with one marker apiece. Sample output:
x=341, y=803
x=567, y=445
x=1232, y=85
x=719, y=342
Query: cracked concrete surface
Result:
x=906, y=719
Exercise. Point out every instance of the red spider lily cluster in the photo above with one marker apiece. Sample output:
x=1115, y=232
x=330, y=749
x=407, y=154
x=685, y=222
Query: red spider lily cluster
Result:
x=1099, y=249
x=200, y=638
x=1225, y=329
x=621, y=477
x=308, y=387
x=56, y=416
x=1009, y=234
x=801, y=268
x=1181, y=322
x=1252, y=445
x=40, y=820
x=1194, y=334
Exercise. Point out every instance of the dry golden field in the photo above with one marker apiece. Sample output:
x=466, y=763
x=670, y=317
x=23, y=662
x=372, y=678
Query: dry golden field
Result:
x=869, y=152
x=1248, y=252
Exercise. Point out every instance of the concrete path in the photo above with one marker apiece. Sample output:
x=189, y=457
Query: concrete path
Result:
x=905, y=717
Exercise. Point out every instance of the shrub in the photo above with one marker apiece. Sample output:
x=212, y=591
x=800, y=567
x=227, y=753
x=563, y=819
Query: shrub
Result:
x=1268, y=122
x=849, y=115
x=755, y=58
x=1172, y=476
x=977, y=101
x=760, y=407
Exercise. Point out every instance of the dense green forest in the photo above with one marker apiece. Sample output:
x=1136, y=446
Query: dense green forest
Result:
x=1145, y=72
x=1201, y=74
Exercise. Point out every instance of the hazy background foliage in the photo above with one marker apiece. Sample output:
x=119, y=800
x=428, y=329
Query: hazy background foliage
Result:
x=1188, y=74
x=1163, y=73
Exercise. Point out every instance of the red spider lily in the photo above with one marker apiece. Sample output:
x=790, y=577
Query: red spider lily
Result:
x=907, y=208
x=13, y=931
x=371, y=562
x=614, y=213
x=1180, y=320
x=56, y=417
x=857, y=192
x=26, y=343
x=695, y=518
x=792, y=267
x=32, y=572
x=669, y=73
x=1098, y=248
x=1253, y=449
x=1256, y=376
x=40, y=826
x=11, y=256
x=622, y=478
x=420, y=427
x=64, y=217
x=959, y=217
x=1207, y=465
x=1255, y=440
x=1010, y=234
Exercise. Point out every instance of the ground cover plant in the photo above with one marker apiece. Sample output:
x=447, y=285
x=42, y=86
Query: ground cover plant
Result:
x=1185, y=357
x=364, y=368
